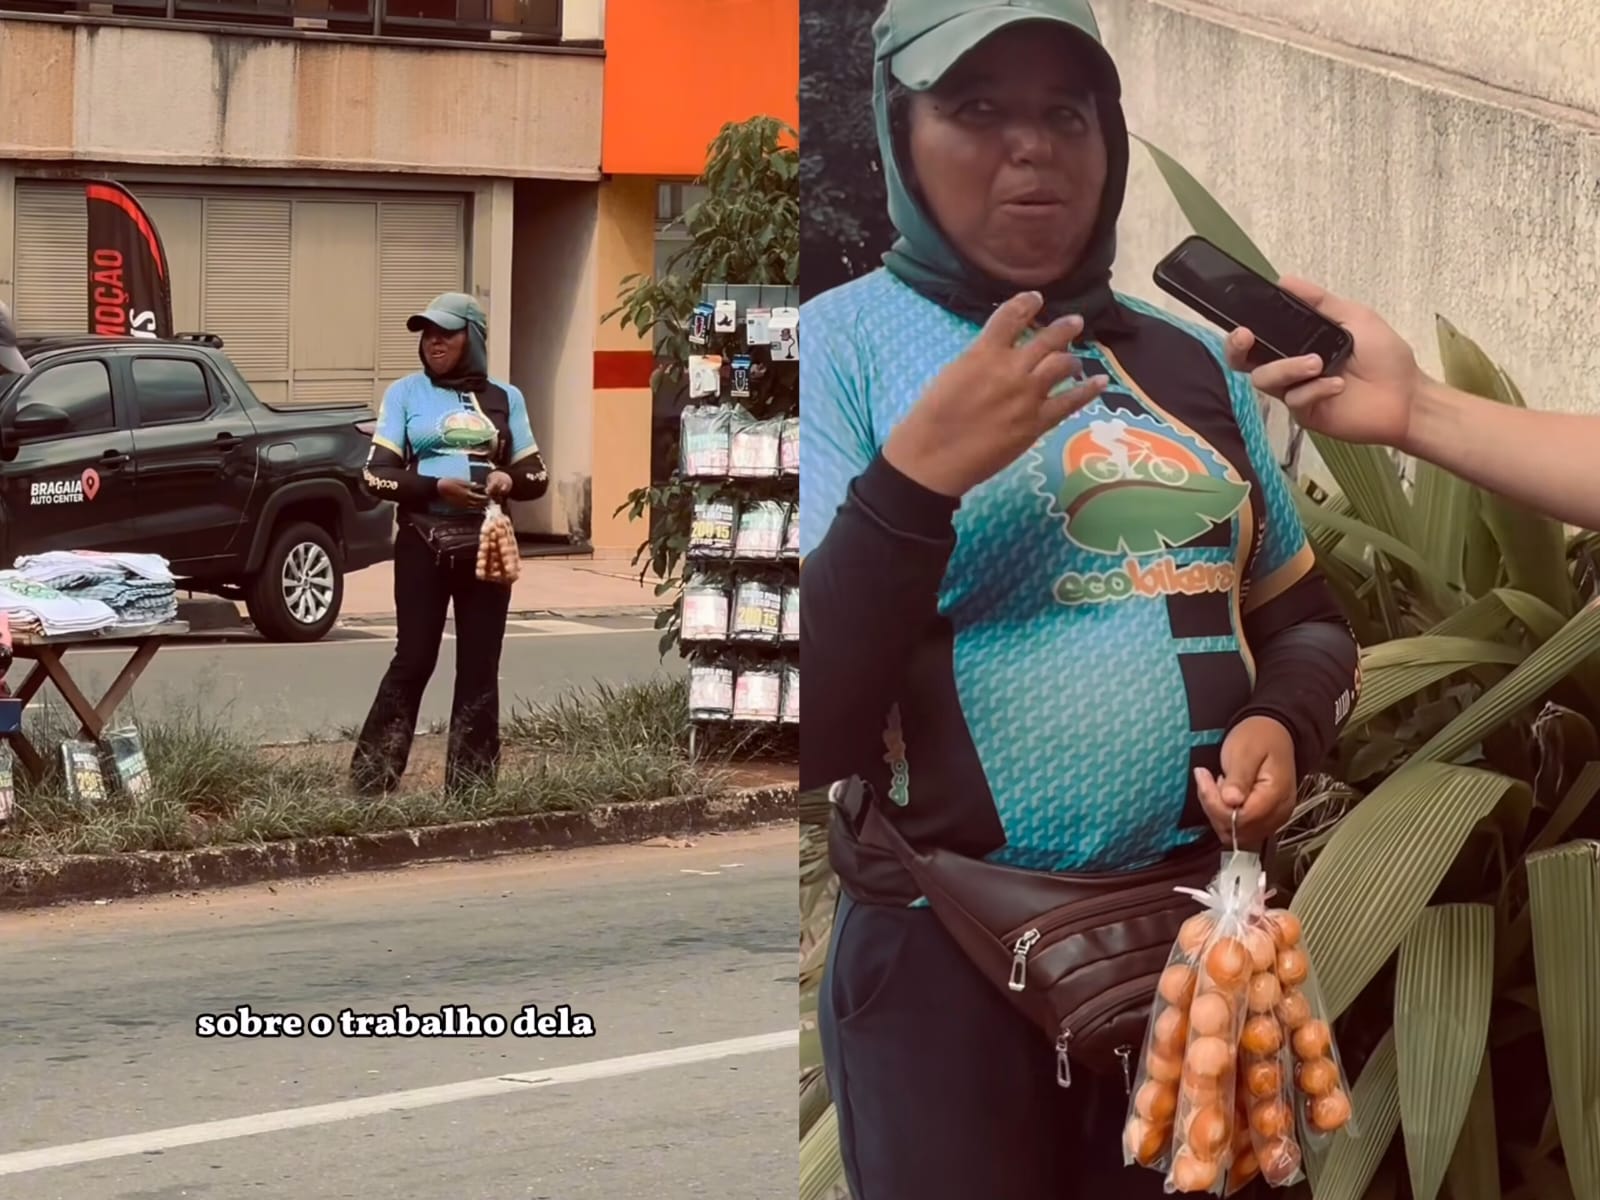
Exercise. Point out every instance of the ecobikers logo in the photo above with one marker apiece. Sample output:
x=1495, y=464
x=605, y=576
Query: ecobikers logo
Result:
x=65, y=491
x=1127, y=484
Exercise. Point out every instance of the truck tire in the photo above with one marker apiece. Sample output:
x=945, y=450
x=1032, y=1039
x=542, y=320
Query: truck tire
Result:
x=297, y=595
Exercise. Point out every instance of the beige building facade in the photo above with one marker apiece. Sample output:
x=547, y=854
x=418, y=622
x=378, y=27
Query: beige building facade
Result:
x=1425, y=157
x=313, y=188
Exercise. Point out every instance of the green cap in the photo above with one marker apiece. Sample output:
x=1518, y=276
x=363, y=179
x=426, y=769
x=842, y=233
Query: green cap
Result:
x=923, y=39
x=451, y=312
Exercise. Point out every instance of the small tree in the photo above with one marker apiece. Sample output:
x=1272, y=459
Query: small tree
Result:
x=745, y=231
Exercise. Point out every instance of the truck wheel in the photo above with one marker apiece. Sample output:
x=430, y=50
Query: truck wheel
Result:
x=296, y=597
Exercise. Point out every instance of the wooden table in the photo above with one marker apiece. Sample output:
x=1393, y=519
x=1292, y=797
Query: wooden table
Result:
x=47, y=655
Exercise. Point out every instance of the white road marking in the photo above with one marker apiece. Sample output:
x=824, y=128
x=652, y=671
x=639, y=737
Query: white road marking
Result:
x=388, y=639
x=74, y=1153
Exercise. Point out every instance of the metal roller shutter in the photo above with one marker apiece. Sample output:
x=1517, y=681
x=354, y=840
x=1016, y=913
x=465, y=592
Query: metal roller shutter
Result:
x=245, y=288
x=421, y=254
x=52, y=241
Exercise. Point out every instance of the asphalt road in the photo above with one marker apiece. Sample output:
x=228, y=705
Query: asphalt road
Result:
x=665, y=948
x=281, y=693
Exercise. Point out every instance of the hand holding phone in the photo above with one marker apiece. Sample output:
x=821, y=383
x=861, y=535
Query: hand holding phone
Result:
x=1230, y=295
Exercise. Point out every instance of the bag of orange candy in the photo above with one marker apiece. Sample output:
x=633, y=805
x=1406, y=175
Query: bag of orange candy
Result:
x=1239, y=1072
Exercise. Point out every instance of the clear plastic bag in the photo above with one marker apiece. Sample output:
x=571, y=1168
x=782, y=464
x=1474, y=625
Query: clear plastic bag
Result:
x=128, y=762
x=80, y=766
x=499, y=558
x=1321, y=1089
x=8, y=793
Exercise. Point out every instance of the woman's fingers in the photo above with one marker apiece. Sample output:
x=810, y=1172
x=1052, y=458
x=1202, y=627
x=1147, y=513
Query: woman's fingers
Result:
x=1049, y=342
x=1061, y=405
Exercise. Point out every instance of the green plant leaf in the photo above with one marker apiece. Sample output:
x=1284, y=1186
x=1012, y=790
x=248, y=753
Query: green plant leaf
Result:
x=1474, y=1172
x=821, y=1167
x=1443, y=990
x=1398, y=669
x=1351, y=1162
x=1446, y=508
x=1573, y=805
x=1564, y=891
x=1547, y=666
x=1543, y=623
x=1315, y=516
x=1205, y=216
x=1382, y=864
x=1370, y=480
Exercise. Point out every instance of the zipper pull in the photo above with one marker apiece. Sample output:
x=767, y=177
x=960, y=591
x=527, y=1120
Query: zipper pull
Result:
x=1125, y=1053
x=1019, y=959
x=1063, y=1063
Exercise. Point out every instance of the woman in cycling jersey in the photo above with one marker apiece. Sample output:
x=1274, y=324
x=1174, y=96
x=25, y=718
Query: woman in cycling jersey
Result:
x=1058, y=609
x=449, y=440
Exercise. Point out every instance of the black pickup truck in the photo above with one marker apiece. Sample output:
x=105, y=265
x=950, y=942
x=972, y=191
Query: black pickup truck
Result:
x=159, y=446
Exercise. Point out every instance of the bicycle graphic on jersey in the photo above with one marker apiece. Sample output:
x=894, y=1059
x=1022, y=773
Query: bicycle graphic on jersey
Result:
x=1128, y=457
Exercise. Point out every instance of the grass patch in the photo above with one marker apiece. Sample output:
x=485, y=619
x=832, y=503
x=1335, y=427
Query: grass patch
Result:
x=213, y=786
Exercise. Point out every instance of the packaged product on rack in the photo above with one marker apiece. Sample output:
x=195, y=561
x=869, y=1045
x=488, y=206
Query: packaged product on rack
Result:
x=725, y=318
x=758, y=695
x=128, y=762
x=761, y=528
x=758, y=326
x=791, y=613
x=791, y=532
x=757, y=612
x=705, y=376
x=791, y=695
x=740, y=386
x=80, y=762
x=705, y=441
x=785, y=328
x=1212, y=1103
x=711, y=534
x=700, y=323
x=789, y=447
x=756, y=446
x=8, y=785
x=707, y=605
x=499, y=557
x=710, y=692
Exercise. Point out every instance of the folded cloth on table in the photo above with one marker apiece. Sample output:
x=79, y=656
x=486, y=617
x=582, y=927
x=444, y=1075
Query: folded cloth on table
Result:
x=36, y=608
x=138, y=588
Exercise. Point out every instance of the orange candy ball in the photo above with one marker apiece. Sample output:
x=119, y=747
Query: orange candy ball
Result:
x=1177, y=985
x=1317, y=1077
x=1271, y=1119
x=1171, y=1031
x=1208, y=1057
x=1292, y=967
x=1211, y=1015
x=1208, y=1132
x=1285, y=927
x=1195, y=933
x=1312, y=1040
x=1262, y=1036
x=1280, y=1162
x=1330, y=1112
x=1265, y=992
x=1294, y=1010
x=1156, y=1102
x=1263, y=1079
x=1163, y=1068
x=1258, y=940
x=1144, y=1142
x=1193, y=1174
x=1227, y=963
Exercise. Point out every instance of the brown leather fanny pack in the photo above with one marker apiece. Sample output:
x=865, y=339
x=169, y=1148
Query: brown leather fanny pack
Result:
x=1080, y=954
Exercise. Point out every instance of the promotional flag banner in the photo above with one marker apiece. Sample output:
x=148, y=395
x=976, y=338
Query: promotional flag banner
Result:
x=130, y=288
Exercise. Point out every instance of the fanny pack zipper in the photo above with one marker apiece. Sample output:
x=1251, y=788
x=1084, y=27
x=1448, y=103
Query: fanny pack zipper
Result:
x=1022, y=944
x=1089, y=1018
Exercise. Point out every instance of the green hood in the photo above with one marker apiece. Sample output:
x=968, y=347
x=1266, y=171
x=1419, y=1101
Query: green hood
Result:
x=938, y=32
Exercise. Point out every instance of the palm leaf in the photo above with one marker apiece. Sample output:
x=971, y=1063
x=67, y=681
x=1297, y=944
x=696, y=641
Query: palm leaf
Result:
x=1369, y=479
x=1547, y=666
x=1573, y=805
x=1543, y=622
x=1205, y=216
x=1443, y=991
x=1396, y=670
x=1474, y=1172
x=821, y=1166
x=1427, y=576
x=1382, y=864
x=1564, y=891
x=1446, y=509
x=1351, y=1162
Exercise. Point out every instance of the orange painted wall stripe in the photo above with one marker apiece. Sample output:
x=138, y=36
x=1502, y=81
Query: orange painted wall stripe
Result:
x=623, y=368
x=676, y=72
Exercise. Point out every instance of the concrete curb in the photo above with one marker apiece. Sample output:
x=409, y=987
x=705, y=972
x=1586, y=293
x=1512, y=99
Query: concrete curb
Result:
x=35, y=883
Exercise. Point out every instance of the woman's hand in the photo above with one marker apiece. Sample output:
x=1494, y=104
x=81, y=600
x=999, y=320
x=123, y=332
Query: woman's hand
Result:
x=988, y=406
x=1258, y=783
x=458, y=493
x=1369, y=401
x=498, y=486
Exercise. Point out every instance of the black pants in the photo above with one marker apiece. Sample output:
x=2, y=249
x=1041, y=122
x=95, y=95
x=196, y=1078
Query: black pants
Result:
x=944, y=1091
x=423, y=590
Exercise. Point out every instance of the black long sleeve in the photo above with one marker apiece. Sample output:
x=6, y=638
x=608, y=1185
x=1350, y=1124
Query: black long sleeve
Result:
x=870, y=590
x=530, y=479
x=1308, y=668
x=388, y=477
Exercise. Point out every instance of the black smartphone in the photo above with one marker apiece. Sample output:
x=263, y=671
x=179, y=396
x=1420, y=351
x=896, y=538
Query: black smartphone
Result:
x=1229, y=294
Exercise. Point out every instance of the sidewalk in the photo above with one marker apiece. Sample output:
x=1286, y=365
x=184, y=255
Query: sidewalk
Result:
x=588, y=586
x=604, y=584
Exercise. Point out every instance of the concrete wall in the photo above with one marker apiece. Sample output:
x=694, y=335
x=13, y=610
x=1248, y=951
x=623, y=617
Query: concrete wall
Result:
x=1465, y=187
x=143, y=95
x=552, y=273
